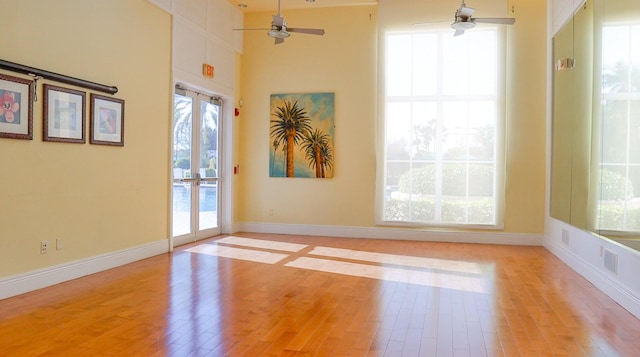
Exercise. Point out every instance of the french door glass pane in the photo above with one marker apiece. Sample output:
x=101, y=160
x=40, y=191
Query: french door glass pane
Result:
x=181, y=209
x=182, y=137
x=182, y=147
x=208, y=205
x=209, y=140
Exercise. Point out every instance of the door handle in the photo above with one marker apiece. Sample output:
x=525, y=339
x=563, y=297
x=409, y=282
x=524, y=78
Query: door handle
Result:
x=196, y=180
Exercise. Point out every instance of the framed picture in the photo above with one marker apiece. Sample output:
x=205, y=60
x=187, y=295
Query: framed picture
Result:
x=306, y=120
x=107, y=120
x=63, y=115
x=16, y=108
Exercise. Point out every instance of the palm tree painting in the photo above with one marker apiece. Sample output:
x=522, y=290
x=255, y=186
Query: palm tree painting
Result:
x=301, y=135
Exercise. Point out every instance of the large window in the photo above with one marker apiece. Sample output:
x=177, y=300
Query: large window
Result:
x=443, y=127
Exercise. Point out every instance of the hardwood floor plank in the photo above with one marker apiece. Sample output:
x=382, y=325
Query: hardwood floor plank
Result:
x=281, y=295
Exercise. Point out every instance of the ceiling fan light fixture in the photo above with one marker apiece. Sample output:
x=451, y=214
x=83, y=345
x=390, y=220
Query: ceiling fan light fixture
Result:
x=463, y=25
x=279, y=33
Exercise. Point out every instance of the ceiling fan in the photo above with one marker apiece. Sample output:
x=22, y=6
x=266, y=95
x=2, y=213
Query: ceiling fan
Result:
x=280, y=31
x=463, y=20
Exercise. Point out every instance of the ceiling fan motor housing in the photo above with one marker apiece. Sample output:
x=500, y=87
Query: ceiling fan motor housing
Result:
x=279, y=33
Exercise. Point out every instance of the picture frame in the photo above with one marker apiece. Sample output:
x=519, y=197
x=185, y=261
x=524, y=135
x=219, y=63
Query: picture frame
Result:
x=16, y=107
x=63, y=115
x=107, y=120
x=312, y=154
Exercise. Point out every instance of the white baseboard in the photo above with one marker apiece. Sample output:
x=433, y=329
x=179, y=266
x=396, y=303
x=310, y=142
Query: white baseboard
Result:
x=612, y=288
x=393, y=233
x=38, y=279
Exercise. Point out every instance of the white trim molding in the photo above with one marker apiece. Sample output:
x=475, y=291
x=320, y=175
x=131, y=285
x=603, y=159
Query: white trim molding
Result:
x=23, y=283
x=583, y=251
x=612, y=288
x=393, y=233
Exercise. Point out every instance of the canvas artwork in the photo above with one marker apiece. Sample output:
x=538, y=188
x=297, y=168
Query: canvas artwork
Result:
x=301, y=135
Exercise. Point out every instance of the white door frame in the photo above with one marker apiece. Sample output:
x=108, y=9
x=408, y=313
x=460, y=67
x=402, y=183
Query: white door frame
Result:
x=225, y=171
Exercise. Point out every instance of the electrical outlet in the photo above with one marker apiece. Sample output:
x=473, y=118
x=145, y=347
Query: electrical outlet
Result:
x=271, y=213
x=44, y=246
x=59, y=244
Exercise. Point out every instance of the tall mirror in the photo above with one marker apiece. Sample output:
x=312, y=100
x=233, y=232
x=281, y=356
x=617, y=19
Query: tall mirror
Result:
x=572, y=123
x=595, y=161
x=561, y=144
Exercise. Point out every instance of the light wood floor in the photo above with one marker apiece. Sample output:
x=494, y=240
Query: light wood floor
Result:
x=274, y=295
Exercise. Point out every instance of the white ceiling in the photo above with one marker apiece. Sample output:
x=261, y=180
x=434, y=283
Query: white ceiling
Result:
x=272, y=5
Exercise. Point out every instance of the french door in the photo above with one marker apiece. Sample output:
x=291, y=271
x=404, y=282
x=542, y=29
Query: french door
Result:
x=196, y=183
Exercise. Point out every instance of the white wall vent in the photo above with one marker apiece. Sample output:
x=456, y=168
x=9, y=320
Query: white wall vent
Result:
x=565, y=237
x=610, y=261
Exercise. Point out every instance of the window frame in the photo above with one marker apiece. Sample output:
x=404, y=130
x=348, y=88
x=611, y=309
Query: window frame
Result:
x=500, y=154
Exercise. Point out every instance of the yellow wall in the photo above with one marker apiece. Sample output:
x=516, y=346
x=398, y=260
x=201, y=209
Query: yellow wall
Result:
x=97, y=199
x=344, y=61
x=526, y=117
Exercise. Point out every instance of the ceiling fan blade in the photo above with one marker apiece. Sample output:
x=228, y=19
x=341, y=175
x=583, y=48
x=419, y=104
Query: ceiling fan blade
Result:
x=496, y=20
x=253, y=29
x=429, y=23
x=307, y=31
x=466, y=11
x=458, y=33
x=277, y=21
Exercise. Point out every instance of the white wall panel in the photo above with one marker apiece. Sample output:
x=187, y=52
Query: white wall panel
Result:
x=203, y=33
x=163, y=4
x=562, y=11
x=189, y=51
x=222, y=18
x=238, y=22
x=219, y=55
x=193, y=10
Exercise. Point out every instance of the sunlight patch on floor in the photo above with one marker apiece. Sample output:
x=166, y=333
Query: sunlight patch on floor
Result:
x=447, y=274
x=238, y=253
x=418, y=277
x=406, y=260
x=264, y=244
